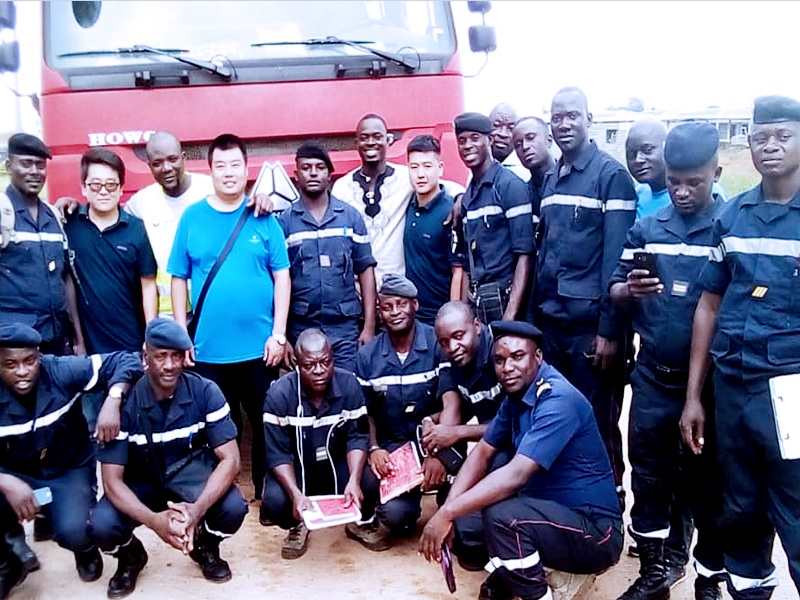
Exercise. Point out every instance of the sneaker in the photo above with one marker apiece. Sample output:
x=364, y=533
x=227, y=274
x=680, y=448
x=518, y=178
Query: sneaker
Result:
x=296, y=542
x=373, y=536
x=566, y=586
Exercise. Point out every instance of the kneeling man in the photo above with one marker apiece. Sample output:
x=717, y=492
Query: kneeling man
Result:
x=171, y=467
x=554, y=504
x=317, y=434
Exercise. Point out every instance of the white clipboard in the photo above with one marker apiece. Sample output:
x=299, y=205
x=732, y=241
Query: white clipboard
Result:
x=785, y=393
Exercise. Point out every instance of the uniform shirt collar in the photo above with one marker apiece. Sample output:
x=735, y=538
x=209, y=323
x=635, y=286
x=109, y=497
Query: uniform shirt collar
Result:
x=756, y=196
x=83, y=211
x=490, y=174
x=18, y=202
x=583, y=159
x=420, y=344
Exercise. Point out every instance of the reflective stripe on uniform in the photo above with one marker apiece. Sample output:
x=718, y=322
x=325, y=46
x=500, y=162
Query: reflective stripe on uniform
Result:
x=764, y=246
x=670, y=250
x=590, y=203
x=218, y=414
x=704, y=571
x=96, y=364
x=410, y=379
x=482, y=395
x=516, y=211
x=299, y=237
x=740, y=583
x=33, y=425
x=620, y=205
x=294, y=421
x=512, y=564
x=485, y=211
x=163, y=437
x=660, y=534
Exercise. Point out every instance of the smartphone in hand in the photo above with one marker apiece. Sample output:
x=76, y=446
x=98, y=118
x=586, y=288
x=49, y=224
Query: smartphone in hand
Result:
x=645, y=261
x=447, y=568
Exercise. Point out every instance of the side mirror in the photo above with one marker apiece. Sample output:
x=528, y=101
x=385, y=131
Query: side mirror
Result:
x=86, y=13
x=479, y=7
x=482, y=38
x=9, y=57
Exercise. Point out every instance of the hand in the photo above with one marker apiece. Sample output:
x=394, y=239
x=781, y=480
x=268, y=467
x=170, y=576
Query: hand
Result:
x=108, y=420
x=79, y=349
x=641, y=285
x=167, y=526
x=273, y=352
x=380, y=463
x=189, y=359
x=366, y=336
x=300, y=503
x=434, y=472
x=693, y=423
x=262, y=204
x=19, y=496
x=66, y=205
x=436, y=532
x=183, y=520
x=454, y=218
x=438, y=437
x=353, y=494
x=289, y=359
x=604, y=352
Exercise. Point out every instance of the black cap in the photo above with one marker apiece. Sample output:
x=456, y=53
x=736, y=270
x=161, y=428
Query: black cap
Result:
x=313, y=150
x=17, y=335
x=517, y=329
x=166, y=333
x=25, y=144
x=690, y=145
x=397, y=285
x=472, y=121
x=775, y=109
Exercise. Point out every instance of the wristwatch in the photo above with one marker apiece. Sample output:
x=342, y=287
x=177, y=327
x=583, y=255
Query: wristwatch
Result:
x=280, y=338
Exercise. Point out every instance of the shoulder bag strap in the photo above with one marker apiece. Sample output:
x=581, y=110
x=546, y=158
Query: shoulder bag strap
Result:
x=192, y=327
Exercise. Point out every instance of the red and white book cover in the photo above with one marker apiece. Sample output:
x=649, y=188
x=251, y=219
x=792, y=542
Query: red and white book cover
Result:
x=407, y=473
x=330, y=511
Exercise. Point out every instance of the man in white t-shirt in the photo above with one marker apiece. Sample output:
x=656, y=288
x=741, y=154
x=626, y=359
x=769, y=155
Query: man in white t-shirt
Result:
x=161, y=204
x=381, y=192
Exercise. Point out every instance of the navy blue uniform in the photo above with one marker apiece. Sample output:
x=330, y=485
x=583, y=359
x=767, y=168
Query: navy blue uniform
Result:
x=496, y=212
x=429, y=253
x=567, y=515
x=755, y=268
x=32, y=271
x=43, y=439
x=326, y=435
x=585, y=214
x=109, y=266
x=196, y=415
x=660, y=465
x=325, y=258
x=398, y=396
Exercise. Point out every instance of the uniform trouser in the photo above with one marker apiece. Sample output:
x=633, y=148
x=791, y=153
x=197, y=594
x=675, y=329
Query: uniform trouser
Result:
x=276, y=506
x=762, y=490
x=111, y=528
x=246, y=384
x=73, y=499
x=525, y=534
x=571, y=353
x=343, y=337
x=661, y=464
x=469, y=543
x=399, y=514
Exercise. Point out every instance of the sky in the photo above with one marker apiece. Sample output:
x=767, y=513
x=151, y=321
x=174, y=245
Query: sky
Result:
x=672, y=55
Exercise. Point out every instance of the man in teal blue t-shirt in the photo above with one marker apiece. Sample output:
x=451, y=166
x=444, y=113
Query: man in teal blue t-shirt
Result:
x=241, y=333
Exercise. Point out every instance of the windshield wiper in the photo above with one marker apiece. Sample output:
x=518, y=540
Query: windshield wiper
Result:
x=332, y=40
x=223, y=72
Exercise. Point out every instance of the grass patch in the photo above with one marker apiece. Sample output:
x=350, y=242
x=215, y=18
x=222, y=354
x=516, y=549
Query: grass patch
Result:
x=738, y=172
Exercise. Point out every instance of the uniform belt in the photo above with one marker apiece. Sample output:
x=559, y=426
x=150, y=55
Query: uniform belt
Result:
x=670, y=376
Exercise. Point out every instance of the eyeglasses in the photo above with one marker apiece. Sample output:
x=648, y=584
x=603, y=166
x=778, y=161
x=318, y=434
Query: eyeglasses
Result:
x=96, y=186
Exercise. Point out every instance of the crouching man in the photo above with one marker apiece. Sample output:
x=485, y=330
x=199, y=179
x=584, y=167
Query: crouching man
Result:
x=317, y=433
x=171, y=467
x=554, y=504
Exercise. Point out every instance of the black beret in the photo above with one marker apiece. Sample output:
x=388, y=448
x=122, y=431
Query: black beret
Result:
x=690, y=145
x=472, y=121
x=312, y=150
x=25, y=144
x=517, y=329
x=17, y=335
x=397, y=285
x=775, y=109
x=166, y=333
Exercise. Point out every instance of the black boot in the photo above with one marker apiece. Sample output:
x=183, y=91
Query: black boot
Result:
x=494, y=588
x=652, y=583
x=16, y=542
x=89, y=564
x=206, y=554
x=131, y=559
x=12, y=573
x=706, y=588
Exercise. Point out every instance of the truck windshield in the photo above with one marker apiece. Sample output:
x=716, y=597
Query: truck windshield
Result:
x=82, y=35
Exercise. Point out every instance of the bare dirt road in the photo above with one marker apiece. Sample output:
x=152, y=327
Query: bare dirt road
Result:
x=335, y=568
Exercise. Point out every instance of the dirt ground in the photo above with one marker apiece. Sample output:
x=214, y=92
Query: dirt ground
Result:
x=334, y=568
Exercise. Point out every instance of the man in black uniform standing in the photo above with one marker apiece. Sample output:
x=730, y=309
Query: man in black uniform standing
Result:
x=662, y=301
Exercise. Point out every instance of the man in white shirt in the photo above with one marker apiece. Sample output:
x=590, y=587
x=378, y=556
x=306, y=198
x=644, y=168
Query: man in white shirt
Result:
x=381, y=192
x=503, y=118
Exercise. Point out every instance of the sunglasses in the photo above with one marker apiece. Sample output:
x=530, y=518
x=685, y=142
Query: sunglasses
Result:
x=96, y=186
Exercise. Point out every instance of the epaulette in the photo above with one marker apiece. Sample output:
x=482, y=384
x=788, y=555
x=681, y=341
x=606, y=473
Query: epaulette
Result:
x=541, y=387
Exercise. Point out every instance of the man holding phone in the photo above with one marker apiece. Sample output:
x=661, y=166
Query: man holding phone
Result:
x=656, y=280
